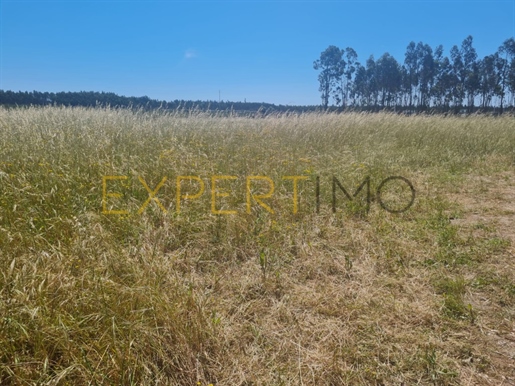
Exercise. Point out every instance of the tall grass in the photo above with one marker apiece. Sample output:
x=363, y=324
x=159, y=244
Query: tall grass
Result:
x=162, y=296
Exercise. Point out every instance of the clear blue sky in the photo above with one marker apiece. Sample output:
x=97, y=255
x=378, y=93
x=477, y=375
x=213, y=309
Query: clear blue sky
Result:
x=261, y=51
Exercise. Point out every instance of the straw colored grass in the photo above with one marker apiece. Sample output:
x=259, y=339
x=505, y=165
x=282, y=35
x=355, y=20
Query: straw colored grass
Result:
x=185, y=297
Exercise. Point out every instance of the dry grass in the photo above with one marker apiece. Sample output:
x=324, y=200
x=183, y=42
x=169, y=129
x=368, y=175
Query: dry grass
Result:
x=422, y=297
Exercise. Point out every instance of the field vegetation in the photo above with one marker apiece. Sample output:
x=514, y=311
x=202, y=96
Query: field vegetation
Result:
x=103, y=280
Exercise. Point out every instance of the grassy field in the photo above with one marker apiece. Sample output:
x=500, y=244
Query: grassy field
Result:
x=162, y=248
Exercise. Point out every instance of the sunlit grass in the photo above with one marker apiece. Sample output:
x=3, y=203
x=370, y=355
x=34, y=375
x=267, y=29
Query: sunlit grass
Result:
x=160, y=295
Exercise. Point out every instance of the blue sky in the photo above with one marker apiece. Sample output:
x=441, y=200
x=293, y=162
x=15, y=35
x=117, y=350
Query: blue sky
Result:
x=261, y=51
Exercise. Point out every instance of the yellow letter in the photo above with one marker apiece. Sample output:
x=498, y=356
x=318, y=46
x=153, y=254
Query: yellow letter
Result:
x=105, y=195
x=295, y=179
x=152, y=194
x=258, y=197
x=215, y=194
x=188, y=196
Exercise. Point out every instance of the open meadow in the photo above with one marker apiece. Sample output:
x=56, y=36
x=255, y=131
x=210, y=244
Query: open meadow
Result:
x=187, y=248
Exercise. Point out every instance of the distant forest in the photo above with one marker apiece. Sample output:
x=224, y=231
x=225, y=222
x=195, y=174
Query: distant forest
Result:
x=426, y=81
x=92, y=99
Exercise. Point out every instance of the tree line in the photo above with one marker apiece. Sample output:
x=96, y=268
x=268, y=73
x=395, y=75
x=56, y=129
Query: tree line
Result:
x=426, y=80
x=92, y=99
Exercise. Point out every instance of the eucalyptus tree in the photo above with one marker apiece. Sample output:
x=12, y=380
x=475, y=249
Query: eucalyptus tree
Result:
x=507, y=50
x=457, y=79
x=411, y=67
x=360, y=87
x=371, y=80
x=505, y=66
x=365, y=87
x=388, y=78
x=351, y=62
x=437, y=91
x=489, y=80
x=449, y=82
x=426, y=72
x=331, y=65
x=405, y=86
x=471, y=70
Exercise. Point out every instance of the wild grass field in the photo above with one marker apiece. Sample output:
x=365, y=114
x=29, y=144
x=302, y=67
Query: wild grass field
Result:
x=109, y=277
